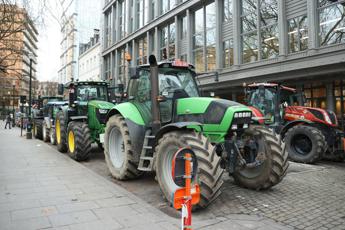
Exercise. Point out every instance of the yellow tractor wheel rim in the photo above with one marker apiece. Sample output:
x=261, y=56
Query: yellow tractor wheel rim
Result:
x=58, y=130
x=71, y=144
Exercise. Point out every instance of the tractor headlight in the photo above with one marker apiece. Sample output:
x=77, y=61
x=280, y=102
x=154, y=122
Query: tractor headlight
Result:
x=234, y=127
x=327, y=118
x=102, y=111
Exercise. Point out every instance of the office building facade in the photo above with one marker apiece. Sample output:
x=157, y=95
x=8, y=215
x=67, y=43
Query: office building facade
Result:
x=298, y=42
x=79, y=18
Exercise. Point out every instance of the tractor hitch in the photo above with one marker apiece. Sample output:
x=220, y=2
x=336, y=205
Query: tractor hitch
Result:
x=232, y=153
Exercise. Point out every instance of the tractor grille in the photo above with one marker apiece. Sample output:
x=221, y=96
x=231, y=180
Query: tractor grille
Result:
x=317, y=114
x=332, y=117
x=102, y=118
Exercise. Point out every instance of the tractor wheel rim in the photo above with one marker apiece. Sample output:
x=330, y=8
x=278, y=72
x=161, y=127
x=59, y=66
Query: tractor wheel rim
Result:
x=254, y=170
x=301, y=144
x=51, y=135
x=116, y=148
x=58, y=134
x=71, y=143
x=167, y=169
x=44, y=132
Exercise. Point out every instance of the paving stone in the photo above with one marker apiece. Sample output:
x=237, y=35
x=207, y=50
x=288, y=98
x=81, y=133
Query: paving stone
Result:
x=115, y=212
x=30, y=224
x=33, y=212
x=113, y=202
x=78, y=206
x=72, y=218
x=105, y=224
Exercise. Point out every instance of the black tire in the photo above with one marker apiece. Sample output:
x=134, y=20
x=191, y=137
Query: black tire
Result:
x=121, y=162
x=335, y=156
x=52, y=136
x=37, y=129
x=45, y=132
x=209, y=174
x=61, y=132
x=81, y=141
x=275, y=163
x=305, y=144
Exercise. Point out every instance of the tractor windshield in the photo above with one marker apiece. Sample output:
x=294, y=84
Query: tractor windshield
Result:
x=177, y=79
x=92, y=92
x=264, y=101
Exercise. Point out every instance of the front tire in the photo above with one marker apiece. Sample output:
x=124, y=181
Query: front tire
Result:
x=273, y=156
x=305, y=144
x=209, y=174
x=60, y=132
x=52, y=136
x=79, y=141
x=45, y=132
x=118, y=150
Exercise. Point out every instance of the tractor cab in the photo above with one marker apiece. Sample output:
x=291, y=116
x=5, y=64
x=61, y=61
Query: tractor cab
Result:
x=269, y=100
x=175, y=81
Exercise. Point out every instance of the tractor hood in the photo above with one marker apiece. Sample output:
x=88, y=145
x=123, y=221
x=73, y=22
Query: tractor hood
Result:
x=311, y=114
x=100, y=104
x=216, y=115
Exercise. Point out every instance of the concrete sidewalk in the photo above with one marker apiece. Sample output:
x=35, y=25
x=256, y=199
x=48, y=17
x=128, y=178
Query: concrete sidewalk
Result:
x=41, y=188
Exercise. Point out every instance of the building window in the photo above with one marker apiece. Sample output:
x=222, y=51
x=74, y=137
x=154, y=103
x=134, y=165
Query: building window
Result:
x=184, y=27
x=123, y=67
x=122, y=20
x=204, y=38
x=167, y=42
x=143, y=12
x=167, y=5
x=107, y=68
x=228, y=53
x=107, y=31
x=142, y=51
x=298, y=34
x=332, y=21
x=227, y=15
x=259, y=39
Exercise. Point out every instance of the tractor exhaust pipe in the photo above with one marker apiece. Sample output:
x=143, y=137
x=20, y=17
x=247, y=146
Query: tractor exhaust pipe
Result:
x=156, y=123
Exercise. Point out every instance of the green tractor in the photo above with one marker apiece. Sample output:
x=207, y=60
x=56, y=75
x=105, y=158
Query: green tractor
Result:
x=82, y=121
x=41, y=117
x=164, y=113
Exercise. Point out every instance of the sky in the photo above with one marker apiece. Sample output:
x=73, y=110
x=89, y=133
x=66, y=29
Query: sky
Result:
x=48, y=50
x=48, y=43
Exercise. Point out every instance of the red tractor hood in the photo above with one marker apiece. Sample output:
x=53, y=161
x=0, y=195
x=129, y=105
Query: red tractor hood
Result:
x=311, y=114
x=257, y=115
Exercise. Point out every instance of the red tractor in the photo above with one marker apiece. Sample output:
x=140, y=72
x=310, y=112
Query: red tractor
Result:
x=309, y=133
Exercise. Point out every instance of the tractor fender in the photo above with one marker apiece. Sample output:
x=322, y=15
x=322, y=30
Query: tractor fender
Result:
x=178, y=126
x=291, y=124
x=127, y=111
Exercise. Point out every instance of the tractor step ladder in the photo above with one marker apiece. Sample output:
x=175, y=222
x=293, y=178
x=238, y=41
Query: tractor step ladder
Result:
x=146, y=156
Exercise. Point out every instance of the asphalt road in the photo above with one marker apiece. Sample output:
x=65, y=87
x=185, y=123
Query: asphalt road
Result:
x=309, y=197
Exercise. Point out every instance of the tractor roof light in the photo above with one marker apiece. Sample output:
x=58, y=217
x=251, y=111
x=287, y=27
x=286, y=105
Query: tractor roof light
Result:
x=179, y=63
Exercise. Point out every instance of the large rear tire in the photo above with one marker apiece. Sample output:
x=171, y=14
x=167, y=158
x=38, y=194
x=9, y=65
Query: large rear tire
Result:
x=209, y=174
x=61, y=132
x=45, y=132
x=118, y=150
x=274, y=160
x=79, y=141
x=305, y=144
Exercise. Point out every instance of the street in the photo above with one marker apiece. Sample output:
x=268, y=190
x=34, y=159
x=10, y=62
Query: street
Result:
x=309, y=197
x=41, y=188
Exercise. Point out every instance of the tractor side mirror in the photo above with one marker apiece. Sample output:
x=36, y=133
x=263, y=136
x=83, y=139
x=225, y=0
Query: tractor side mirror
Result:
x=60, y=89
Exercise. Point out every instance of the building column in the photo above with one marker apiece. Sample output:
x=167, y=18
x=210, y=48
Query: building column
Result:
x=282, y=29
x=157, y=8
x=177, y=37
x=330, y=96
x=117, y=23
x=156, y=43
x=134, y=53
x=135, y=15
x=237, y=33
x=313, y=24
x=219, y=43
x=189, y=37
x=115, y=70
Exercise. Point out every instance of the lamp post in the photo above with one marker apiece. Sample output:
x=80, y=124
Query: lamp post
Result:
x=14, y=117
x=29, y=126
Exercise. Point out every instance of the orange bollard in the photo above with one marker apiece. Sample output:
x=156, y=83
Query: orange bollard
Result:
x=187, y=222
